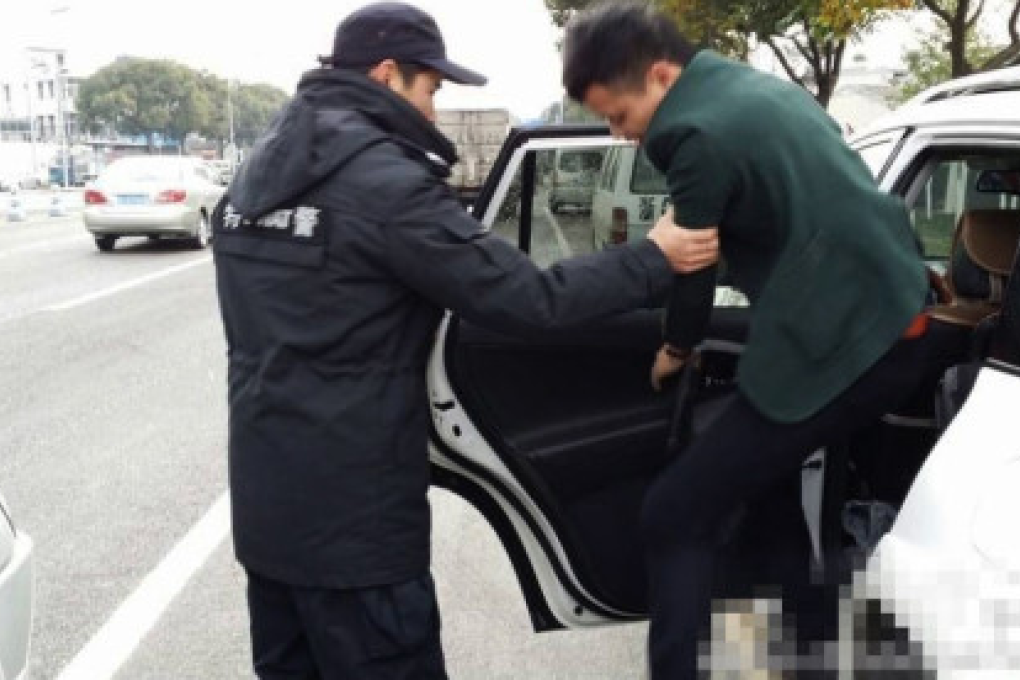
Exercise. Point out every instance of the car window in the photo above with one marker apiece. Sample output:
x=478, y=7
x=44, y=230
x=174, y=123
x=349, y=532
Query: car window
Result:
x=571, y=217
x=646, y=179
x=951, y=186
x=561, y=219
x=609, y=169
x=586, y=160
x=143, y=170
x=875, y=155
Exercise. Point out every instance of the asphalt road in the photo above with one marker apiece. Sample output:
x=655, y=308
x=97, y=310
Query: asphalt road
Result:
x=112, y=456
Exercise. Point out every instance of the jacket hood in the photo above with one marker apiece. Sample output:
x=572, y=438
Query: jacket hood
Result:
x=333, y=116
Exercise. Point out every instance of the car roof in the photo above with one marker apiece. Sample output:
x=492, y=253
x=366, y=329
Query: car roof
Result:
x=988, y=81
x=1000, y=108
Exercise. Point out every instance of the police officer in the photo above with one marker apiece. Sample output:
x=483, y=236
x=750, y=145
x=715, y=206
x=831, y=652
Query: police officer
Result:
x=337, y=248
x=827, y=260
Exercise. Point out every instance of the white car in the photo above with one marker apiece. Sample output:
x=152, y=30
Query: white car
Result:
x=153, y=196
x=555, y=439
x=16, y=597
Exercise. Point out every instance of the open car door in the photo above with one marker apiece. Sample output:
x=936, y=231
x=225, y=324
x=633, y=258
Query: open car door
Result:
x=555, y=438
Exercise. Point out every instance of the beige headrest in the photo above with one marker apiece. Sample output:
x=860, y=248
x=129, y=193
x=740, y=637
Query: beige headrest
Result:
x=990, y=238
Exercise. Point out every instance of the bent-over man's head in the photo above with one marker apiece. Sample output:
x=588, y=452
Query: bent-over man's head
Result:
x=620, y=60
x=400, y=47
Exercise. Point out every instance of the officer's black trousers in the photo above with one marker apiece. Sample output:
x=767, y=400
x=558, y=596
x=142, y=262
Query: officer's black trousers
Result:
x=737, y=461
x=382, y=633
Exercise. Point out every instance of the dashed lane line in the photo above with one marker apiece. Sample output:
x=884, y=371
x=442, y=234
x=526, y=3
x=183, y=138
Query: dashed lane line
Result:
x=127, y=285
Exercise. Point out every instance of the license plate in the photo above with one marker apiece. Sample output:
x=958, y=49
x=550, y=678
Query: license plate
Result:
x=132, y=199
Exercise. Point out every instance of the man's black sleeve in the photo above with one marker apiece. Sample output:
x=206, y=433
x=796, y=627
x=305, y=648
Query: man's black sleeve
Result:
x=690, y=308
x=440, y=251
x=700, y=185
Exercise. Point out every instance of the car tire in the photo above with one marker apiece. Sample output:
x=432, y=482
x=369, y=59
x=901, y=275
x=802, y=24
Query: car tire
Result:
x=203, y=235
x=105, y=243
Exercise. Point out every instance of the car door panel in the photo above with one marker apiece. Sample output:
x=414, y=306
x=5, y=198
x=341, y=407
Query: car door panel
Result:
x=556, y=436
x=574, y=417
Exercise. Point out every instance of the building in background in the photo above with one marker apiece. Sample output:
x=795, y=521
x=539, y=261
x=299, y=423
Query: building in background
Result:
x=865, y=93
x=38, y=118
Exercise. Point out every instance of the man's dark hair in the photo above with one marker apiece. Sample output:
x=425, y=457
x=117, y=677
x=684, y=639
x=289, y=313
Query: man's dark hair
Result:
x=614, y=43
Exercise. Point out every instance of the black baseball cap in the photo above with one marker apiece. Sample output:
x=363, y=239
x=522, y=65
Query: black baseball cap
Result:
x=394, y=30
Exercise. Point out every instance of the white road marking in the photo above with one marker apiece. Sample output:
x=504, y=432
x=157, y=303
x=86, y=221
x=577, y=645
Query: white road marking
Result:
x=117, y=640
x=565, y=249
x=120, y=287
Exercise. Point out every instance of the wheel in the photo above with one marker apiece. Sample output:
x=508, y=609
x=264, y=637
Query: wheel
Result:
x=203, y=234
x=105, y=243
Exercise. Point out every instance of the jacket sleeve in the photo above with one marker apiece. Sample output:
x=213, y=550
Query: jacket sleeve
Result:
x=441, y=252
x=700, y=186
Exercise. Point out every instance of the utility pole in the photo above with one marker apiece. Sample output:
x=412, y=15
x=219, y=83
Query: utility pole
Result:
x=230, y=124
x=65, y=147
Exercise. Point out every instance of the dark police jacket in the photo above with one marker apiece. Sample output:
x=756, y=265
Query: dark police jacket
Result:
x=337, y=248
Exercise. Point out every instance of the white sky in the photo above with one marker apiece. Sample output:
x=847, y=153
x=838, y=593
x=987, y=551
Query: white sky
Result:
x=510, y=41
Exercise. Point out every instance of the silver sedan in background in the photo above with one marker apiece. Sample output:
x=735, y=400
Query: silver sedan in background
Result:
x=153, y=196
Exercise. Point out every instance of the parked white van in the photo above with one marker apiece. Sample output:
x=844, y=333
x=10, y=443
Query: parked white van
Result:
x=574, y=175
x=630, y=196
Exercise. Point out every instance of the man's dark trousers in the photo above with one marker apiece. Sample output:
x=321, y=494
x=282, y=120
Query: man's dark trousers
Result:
x=740, y=457
x=388, y=632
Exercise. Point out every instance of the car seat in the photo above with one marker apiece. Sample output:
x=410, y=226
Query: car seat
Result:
x=962, y=325
x=980, y=261
x=983, y=301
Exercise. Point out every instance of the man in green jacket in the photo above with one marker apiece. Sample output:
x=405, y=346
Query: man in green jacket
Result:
x=759, y=172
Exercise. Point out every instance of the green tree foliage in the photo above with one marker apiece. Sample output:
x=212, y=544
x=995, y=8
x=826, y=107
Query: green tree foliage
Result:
x=959, y=19
x=146, y=96
x=931, y=63
x=255, y=106
x=807, y=37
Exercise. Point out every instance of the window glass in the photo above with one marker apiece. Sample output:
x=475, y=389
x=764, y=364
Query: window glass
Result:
x=875, y=155
x=144, y=169
x=956, y=183
x=608, y=170
x=562, y=215
x=574, y=214
x=646, y=179
x=580, y=160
